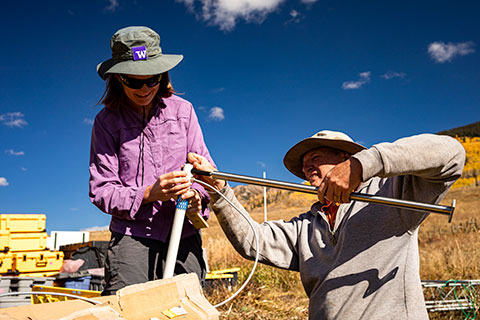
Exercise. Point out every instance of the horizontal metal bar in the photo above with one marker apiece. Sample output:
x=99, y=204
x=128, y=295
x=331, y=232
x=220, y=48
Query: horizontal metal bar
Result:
x=449, y=283
x=411, y=205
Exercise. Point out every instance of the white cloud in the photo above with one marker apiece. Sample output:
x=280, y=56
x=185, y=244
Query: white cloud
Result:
x=23, y=169
x=97, y=228
x=262, y=164
x=442, y=52
x=112, y=6
x=3, y=182
x=392, y=74
x=216, y=114
x=295, y=17
x=13, y=119
x=365, y=75
x=14, y=153
x=226, y=13
x=218, y=90
x=308, y=1
x=364, y=79
x=88, y=121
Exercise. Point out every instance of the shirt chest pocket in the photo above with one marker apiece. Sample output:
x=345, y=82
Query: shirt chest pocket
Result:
x=174, y=143
x=129, y=155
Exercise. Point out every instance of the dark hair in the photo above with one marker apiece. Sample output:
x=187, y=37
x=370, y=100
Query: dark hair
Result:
x=114, y=93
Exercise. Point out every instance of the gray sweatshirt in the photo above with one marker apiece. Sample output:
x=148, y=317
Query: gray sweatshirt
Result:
x=367, y=267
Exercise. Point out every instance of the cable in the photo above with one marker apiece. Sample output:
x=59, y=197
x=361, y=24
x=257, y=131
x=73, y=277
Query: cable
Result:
x=470, y=297
x=256, y=242
x=51, y=293
x=470, y=301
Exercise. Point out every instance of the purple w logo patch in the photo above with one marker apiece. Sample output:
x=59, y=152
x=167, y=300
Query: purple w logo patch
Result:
x=139, y=53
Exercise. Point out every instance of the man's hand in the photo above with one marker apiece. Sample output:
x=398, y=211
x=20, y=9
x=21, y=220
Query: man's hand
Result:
x=168, y=186
x=194, y=201
x=201, y=163
x=340, y=182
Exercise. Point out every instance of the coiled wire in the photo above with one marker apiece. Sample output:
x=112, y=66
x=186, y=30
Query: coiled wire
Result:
x=256, y=242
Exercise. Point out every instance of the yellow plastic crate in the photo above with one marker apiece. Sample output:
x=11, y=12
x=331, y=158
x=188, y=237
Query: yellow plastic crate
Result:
x=223, y=273
x=6, y=262
x=38, y=261
x=47, y=298
x=42, y=274
x=4, y=241
x=23, y=222
x=226, y=278
x=19, y=242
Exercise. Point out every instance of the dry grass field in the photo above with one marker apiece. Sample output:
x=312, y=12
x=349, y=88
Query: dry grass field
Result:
x=271, y=294
x=447, y=251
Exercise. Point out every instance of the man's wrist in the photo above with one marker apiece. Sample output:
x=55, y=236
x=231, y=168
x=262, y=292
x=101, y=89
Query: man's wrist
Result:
x=198, y=192
x=146, y=194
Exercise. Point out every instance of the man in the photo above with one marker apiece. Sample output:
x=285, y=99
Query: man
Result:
x=356, y=260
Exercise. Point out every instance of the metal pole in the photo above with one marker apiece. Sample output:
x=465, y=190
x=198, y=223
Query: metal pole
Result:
x=417, y=206
x=264, y=198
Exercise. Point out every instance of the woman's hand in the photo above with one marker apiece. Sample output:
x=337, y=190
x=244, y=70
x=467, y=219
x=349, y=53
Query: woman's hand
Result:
x=169, y=185
x=201, y=163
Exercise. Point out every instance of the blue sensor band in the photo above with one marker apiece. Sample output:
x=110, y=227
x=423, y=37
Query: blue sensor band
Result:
x=182, y=204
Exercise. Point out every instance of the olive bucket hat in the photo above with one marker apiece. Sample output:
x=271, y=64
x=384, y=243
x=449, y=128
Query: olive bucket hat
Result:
x=293, y=160
x=136, y=50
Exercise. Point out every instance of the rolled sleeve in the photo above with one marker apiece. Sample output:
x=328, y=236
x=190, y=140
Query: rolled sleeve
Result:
x=106, y=190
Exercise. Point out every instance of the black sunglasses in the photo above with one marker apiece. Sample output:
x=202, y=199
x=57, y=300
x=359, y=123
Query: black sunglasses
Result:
x=133, y=83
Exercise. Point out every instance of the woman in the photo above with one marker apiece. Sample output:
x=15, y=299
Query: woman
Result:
x=140, y=141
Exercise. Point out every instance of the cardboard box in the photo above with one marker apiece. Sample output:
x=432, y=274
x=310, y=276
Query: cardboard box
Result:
x=161, y=299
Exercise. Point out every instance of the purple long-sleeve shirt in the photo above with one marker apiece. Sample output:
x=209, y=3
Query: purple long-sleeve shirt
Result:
x=117, y=164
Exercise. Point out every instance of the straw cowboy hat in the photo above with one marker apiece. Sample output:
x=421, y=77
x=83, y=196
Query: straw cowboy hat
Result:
x=293, y=160
x=136, y=50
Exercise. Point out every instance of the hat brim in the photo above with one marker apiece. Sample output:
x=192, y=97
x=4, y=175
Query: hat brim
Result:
x=293, y=160
x=151, y=66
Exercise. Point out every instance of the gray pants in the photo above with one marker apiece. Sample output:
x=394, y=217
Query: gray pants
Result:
x=132, y=260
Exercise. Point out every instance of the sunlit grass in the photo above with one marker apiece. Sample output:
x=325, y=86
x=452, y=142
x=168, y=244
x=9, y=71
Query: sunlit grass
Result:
x=447, y=251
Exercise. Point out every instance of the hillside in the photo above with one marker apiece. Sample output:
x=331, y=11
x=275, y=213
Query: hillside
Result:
x=470, y=130
x=471, y=171
x=469, y=136
x=252, y=196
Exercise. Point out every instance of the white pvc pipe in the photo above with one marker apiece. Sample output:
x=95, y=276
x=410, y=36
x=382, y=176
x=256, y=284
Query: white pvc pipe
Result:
x=177, y=227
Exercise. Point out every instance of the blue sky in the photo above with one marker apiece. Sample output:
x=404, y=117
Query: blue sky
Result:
x=262, y=75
